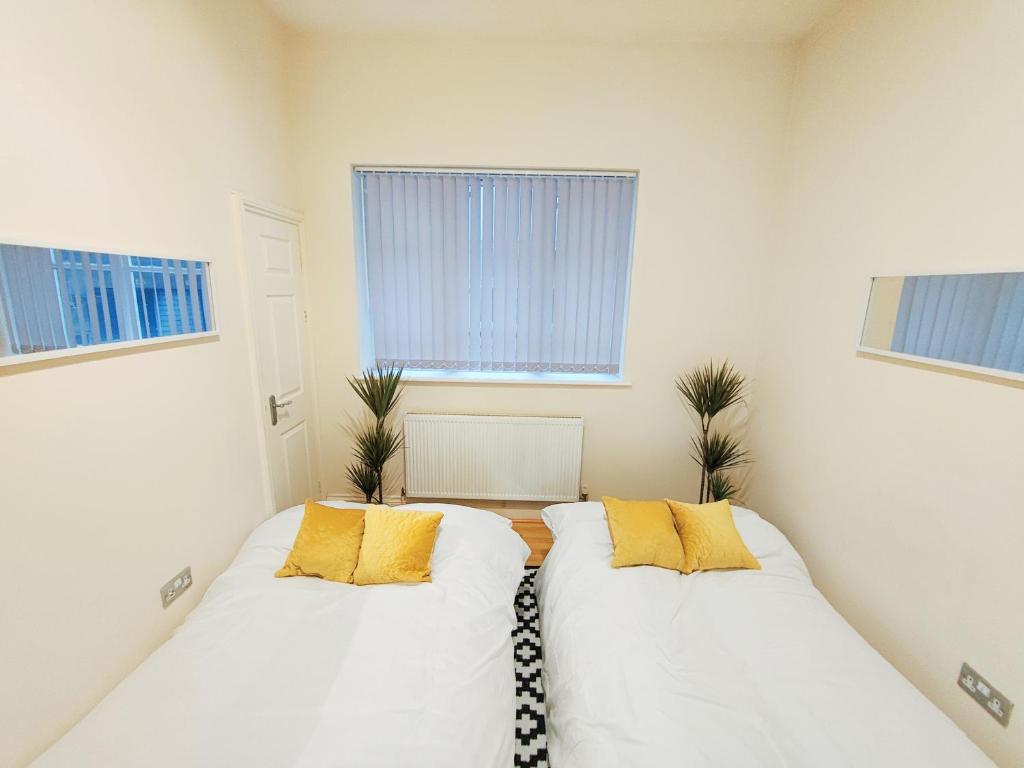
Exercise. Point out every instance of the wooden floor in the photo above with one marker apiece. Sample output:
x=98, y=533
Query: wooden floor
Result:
x=536, y=535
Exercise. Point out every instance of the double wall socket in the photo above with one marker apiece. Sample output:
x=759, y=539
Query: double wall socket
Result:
x=169, y=592
x=983, y=692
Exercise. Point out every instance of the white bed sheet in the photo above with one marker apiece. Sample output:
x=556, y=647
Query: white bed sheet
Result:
x=303, y=672
x=647, y=667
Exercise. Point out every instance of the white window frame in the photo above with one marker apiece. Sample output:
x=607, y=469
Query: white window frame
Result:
x=530, y=378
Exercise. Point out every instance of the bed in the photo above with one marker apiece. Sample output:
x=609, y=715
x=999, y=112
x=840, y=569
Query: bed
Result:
x=647, y=667
x=303, y=672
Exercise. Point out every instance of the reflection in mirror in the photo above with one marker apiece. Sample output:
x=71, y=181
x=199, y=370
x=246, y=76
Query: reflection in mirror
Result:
x=54, y=299
x=967, y=319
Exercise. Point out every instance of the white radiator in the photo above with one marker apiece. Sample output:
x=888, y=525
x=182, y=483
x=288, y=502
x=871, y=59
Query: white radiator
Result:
x=509, y=458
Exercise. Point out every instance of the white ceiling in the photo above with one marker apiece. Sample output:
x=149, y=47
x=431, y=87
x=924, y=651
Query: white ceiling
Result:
x=594, y=20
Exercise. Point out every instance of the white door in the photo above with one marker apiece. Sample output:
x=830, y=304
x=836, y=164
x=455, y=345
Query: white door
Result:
x=274, y=267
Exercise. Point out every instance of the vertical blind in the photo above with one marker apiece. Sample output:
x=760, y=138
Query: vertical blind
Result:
x=496, y=271
x=974, y=319
x=58, y=299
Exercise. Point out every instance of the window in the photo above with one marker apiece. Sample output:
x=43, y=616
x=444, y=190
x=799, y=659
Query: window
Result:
x=53, y=299
x=474, y=272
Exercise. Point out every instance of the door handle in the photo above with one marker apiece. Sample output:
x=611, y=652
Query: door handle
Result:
x=274, y=405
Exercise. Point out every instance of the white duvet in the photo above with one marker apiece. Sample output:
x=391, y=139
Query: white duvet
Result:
x=305, y=673
x=645, y=667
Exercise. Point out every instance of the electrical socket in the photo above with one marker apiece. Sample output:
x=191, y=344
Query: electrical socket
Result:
x=170, y=591
x=983, y=692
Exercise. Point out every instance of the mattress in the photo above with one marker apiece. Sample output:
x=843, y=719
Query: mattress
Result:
x=308, y=673
x=647, y=667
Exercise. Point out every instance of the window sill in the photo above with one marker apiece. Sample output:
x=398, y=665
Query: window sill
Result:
x=102, y=349
x=505, y=378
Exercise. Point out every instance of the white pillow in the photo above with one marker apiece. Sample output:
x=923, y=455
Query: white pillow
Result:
x=469, y=541
x=474, y=542
x=560, y=517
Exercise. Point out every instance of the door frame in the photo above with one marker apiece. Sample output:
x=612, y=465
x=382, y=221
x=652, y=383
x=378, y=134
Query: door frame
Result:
x=241, y=205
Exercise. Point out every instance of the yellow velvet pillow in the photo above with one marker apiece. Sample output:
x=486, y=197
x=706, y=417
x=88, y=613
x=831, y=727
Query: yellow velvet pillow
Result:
x=397, y=546
x=327, y=544
x=709, y=536
x=642, y=534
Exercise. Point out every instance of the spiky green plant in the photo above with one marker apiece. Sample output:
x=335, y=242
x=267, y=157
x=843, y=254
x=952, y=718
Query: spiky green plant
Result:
x=709, y=390
x=377, y=443
x=363, y=478
x=717, y=452
x=722, y=487
x=379, y=389
x=375, y=446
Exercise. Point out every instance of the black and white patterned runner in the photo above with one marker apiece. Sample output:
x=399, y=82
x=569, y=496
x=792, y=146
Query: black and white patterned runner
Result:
x=531, y=739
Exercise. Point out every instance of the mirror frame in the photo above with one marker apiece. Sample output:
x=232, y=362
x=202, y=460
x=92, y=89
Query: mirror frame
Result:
x=933, y=362
x=10, y=363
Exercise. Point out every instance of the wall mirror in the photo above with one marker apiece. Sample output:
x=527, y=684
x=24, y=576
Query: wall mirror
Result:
x=968, y=321
x=55, y=301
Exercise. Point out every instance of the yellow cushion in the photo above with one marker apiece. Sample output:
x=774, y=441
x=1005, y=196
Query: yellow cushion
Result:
x=327, y=544
x=710, y=539
x=642, y=534
x=396, y=546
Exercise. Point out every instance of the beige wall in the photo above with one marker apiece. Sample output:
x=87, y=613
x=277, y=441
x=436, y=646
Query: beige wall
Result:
x=125, y=125
x=703, y=124
x=901, y=486
x=128, y=124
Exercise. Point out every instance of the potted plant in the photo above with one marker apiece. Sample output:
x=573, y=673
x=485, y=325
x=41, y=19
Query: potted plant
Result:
x=709, y=390
x=377, y=441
